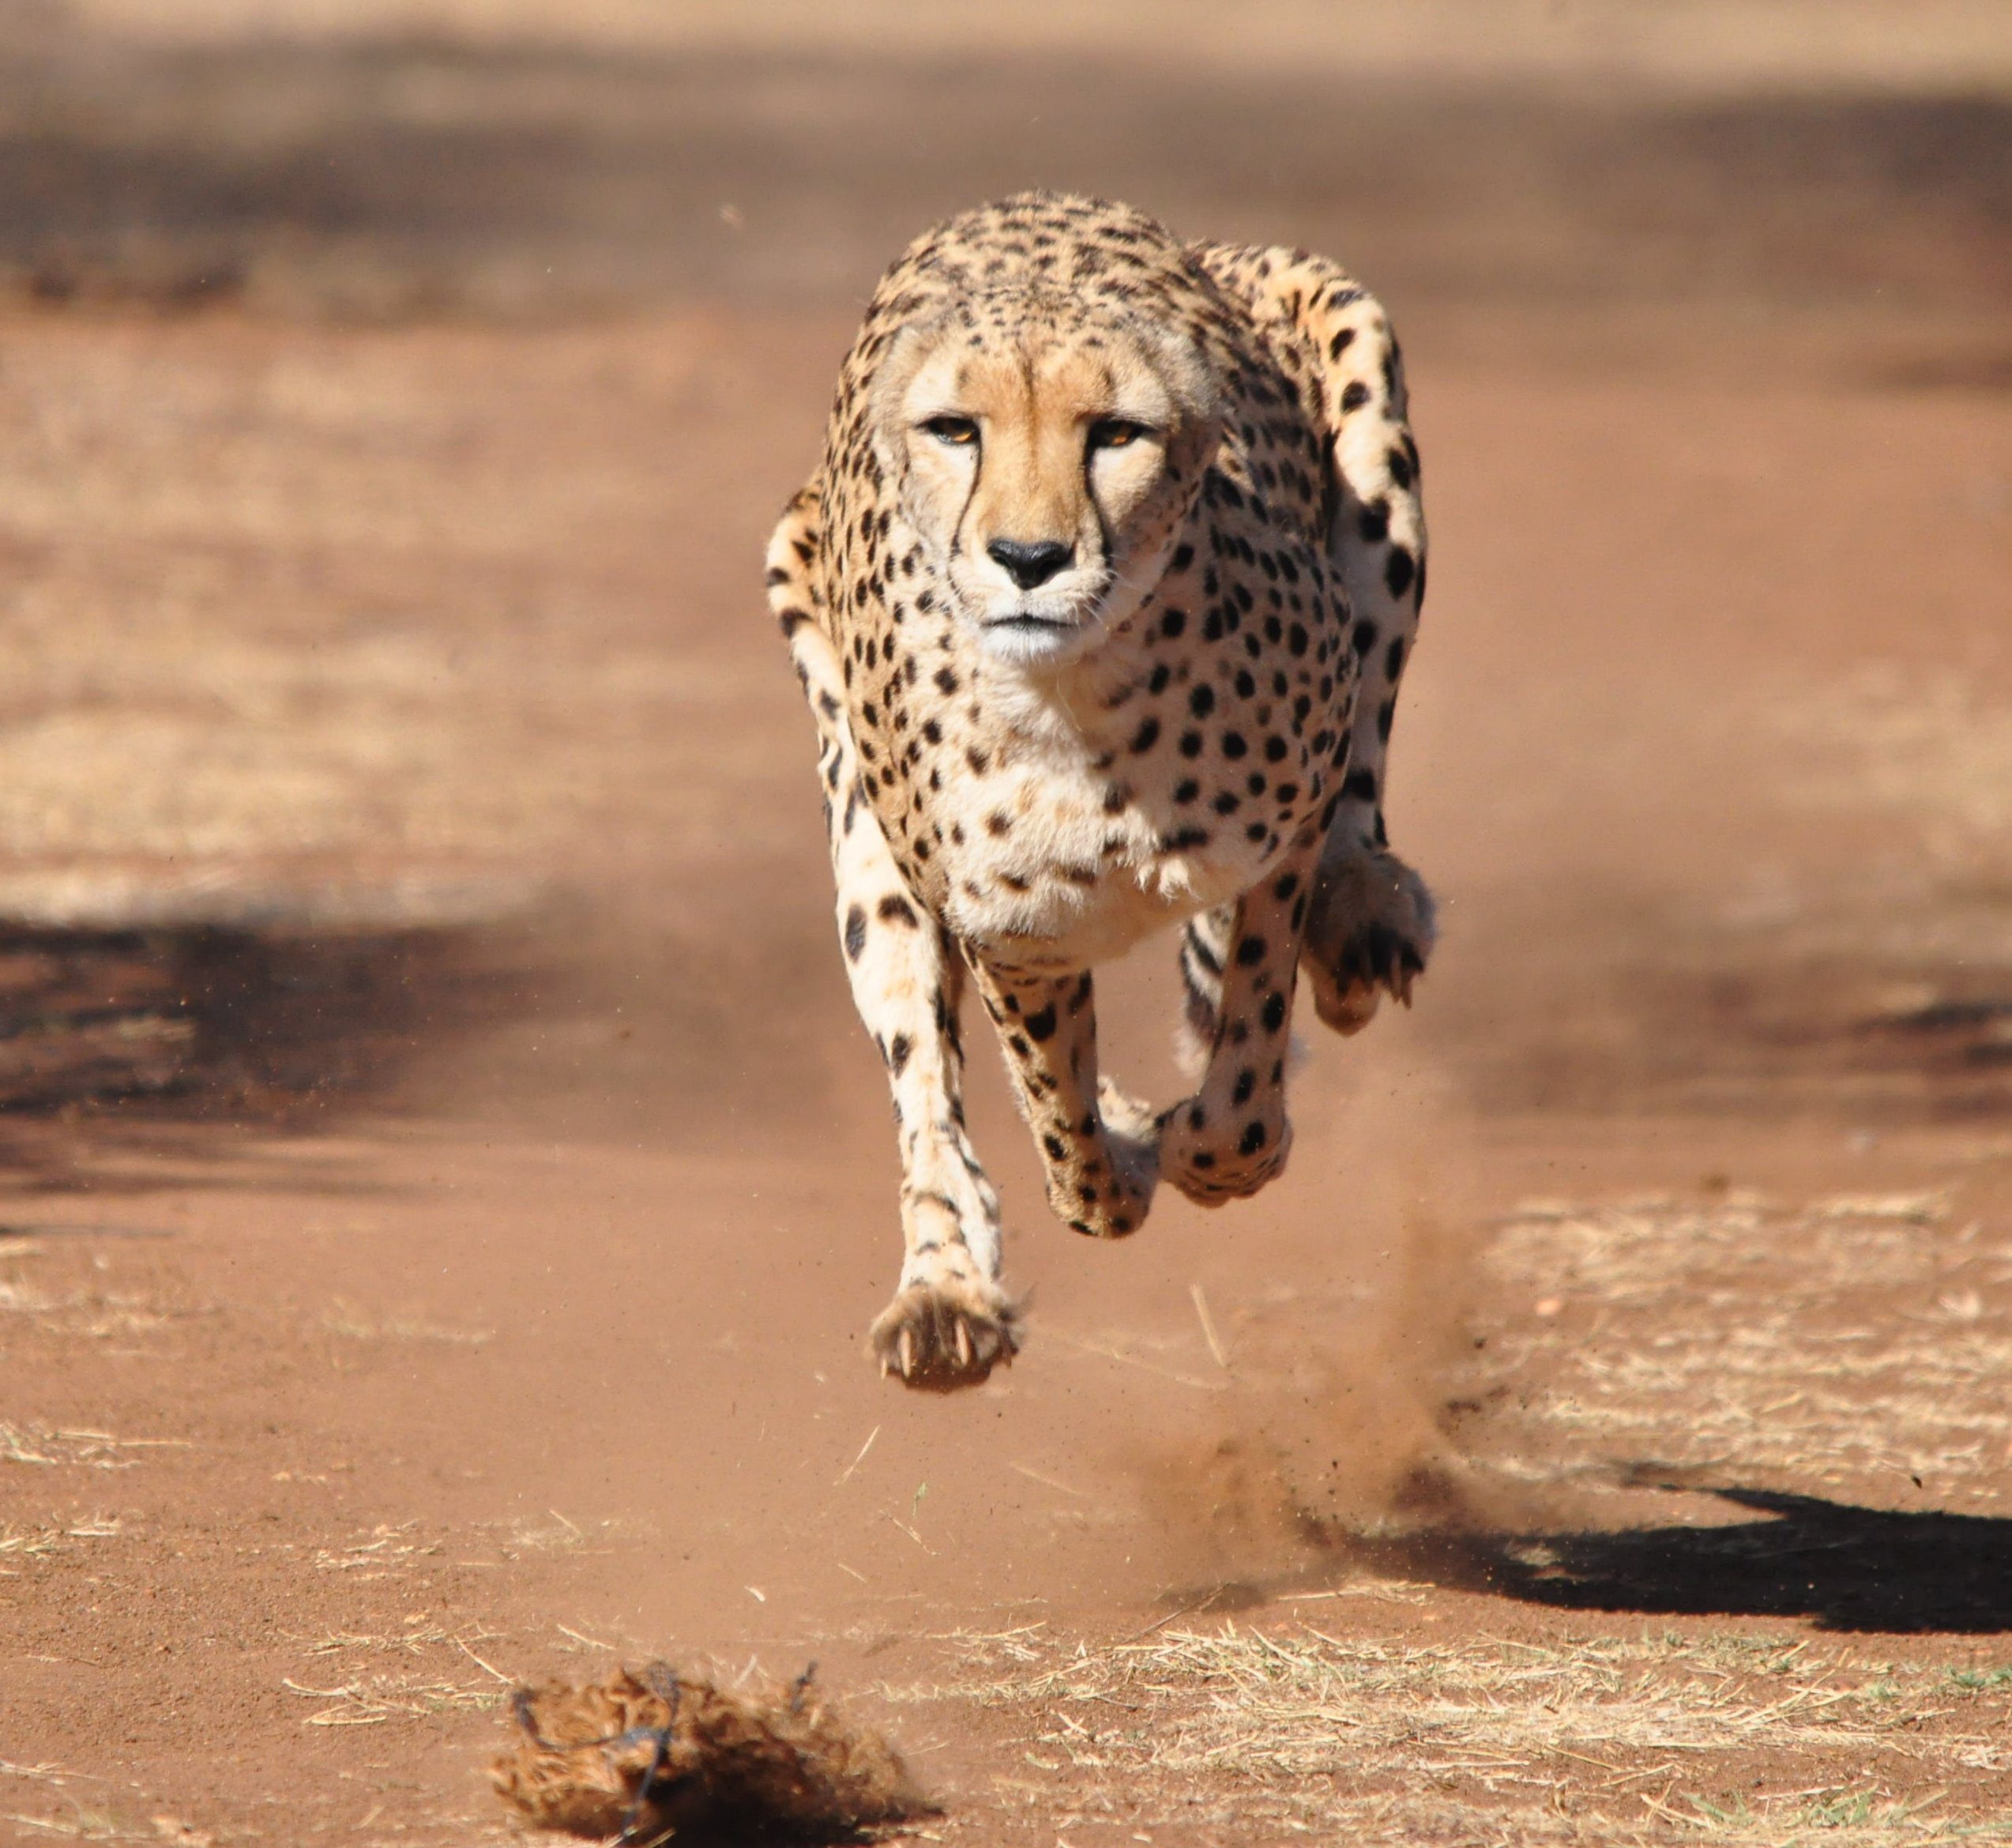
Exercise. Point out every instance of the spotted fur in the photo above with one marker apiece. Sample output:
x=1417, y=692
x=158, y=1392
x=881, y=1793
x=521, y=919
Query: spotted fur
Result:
x=1100, y=597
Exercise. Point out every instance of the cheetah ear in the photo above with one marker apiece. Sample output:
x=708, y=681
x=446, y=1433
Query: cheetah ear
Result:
x=1190, y=380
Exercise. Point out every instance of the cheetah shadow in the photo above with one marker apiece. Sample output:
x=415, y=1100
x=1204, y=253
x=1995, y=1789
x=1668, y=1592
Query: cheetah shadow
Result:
x=1845, y=1568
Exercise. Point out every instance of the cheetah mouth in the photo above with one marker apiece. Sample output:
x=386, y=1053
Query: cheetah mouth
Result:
x=1032, y=624
x=1025, y=639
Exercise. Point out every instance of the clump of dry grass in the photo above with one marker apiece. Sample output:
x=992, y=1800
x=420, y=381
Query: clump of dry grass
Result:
x=646, y=1756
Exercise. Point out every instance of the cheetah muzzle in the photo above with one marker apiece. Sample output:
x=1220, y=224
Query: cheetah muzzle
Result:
x=1100, y=597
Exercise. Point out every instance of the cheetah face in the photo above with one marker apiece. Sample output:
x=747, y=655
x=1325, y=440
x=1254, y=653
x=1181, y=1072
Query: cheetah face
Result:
x=1050, y=477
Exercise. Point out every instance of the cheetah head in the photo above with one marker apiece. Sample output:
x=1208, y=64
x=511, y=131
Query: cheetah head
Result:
x=1049, y=468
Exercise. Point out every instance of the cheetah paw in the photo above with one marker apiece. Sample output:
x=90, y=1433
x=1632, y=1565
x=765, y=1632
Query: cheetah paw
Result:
x=1370, y=933
x=940, y=1337
x=1211, y=1172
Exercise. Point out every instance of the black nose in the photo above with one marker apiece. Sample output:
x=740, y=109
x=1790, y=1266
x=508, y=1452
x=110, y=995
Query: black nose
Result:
x=1028, y=565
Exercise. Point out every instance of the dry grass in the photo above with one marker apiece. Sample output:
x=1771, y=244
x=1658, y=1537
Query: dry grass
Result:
x=1846, y=1337
x=372, y=1699
x=1486, y=1740
x=663, y=1754
x=353, y=1324
x=464, y=1681
x=39, y=1540
x=96, y=1449
x=385, y=1549
x=88, y=1312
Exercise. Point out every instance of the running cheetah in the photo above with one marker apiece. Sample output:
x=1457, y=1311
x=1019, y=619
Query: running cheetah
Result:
x=1100, y=597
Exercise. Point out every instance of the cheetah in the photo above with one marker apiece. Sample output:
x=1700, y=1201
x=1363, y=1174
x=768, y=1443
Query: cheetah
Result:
x=1100, y=597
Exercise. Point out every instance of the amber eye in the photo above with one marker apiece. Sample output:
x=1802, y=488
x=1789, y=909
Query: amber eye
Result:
x=959, y=432
x=1115, y=433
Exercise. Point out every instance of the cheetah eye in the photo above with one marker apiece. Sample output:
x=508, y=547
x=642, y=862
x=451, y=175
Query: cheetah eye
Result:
x=1115, y=433
x=958, y=432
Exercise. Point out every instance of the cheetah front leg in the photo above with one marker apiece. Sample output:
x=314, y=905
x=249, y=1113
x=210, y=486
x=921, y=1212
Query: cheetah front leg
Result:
x=951, y=1321
x=1096, y=1146
x=1239, y=964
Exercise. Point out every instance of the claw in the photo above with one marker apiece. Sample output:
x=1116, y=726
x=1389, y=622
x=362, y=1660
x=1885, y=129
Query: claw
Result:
x=908, y=1347
x=964, y=1343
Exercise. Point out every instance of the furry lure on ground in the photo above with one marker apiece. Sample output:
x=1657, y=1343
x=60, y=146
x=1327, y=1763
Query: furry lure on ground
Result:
x=1100, y=597
x=643, y=1758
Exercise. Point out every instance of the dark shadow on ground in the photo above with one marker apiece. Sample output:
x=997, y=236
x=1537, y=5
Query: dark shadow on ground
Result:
x=128, y=1042
x=244, y=1021
x=1845, y=1568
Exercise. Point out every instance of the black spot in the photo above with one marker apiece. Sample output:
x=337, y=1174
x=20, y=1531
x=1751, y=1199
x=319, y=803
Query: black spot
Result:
x=1251, y=952
x=898, y=1049
x=1373, y=522
x=1273, y=1015
x=1400, y=466
x=1234, y=744
x=1186, y=790
x=1252, y=1140
x=947, y=682
x=1147, y=736
x=1202, y=701
x=1285, y=886
x=1354, y=395
x=1394, y=662
x=1190, y=745
x=1246, y=1082
x=856, y=931
x=1172, y=622
x=1399, y=569
x=1041, y=1026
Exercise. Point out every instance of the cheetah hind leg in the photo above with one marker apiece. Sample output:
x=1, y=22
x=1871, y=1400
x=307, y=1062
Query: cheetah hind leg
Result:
x=946, y=1333
x=1132, y=1129
x=1370, y=933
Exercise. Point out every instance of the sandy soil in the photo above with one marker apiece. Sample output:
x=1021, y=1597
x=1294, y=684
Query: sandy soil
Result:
x=1599, y=1436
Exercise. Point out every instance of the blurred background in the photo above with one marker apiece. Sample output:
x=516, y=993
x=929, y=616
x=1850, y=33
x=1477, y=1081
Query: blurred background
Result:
x=396, y=394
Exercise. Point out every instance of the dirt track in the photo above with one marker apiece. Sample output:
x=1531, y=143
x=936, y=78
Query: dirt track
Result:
x=536, y=1339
